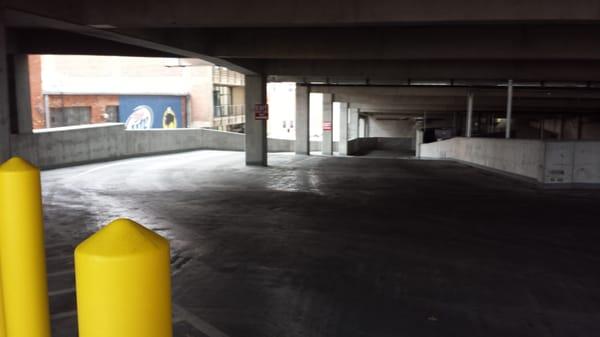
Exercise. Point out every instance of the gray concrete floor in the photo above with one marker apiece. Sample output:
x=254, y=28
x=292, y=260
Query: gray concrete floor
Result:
x=331, y=246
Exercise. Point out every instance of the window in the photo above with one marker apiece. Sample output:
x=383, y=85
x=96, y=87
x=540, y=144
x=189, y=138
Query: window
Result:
x=111, y=114
x=67, y=116
x=223, y=100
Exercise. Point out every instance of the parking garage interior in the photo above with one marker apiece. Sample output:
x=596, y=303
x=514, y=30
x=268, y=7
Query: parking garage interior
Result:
x=448, y=188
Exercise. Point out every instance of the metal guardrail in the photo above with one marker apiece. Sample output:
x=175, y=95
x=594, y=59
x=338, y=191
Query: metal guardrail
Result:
x=229, y=110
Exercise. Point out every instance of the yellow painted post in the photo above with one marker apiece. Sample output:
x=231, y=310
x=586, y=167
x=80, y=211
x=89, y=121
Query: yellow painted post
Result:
x=2, y=326
x=123, y=282
x=22, y=256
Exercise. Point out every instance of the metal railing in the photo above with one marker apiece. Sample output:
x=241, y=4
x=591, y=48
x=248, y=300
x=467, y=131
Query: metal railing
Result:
x=228, y=115
x=229, y=110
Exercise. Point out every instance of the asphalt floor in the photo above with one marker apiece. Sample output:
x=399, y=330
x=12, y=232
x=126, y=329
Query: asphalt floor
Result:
x=340, y=246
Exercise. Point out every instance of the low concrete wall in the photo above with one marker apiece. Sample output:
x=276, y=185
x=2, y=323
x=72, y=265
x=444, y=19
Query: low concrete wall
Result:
x=516, y=156
x=360, y=146
x=586, y=163
x=398, y=144
x=74, y=145
x=317, y=146
x=280, y=145
x=572, y=162
x=553, y=163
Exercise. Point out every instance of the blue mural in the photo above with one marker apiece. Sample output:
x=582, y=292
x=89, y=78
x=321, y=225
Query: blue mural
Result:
x=140, y=112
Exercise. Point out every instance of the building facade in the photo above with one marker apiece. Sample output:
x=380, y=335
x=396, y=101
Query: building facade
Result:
x=71, y=90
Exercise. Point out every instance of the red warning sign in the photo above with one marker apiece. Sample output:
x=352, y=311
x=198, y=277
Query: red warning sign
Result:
x=327, y=126
x=261, y=111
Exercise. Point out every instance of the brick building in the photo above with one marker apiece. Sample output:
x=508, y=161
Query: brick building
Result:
x=76, y=90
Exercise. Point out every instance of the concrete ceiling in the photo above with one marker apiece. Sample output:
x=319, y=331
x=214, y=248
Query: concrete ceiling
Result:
x=351, y=41
x=308, y=40
x=414, y=101
x=306, y=13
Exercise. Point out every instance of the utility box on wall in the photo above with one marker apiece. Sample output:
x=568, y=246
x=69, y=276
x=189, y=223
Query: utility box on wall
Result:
x=559, y=162
x=140, y=112
x=572, y=162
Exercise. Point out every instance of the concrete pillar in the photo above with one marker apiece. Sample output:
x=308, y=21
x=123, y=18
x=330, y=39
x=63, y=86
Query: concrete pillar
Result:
x=362, y=127
x=579, y=127
x=4, y=106
x=353, y=116
x=454, y=125
x=256, y=130
x=509, y=103
x=302, y=120
x=418, y=142
x=343, y=143
x=47, y=111
x=561, y=127
x=22, y=92
x=470, y=99
x=327, y=147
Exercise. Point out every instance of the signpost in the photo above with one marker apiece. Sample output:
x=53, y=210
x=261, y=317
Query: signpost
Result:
x=261, y=112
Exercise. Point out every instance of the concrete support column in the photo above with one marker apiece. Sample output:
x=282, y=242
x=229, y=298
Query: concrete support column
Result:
x=4, y=106
x=302, y=120
x=256, y=130
x=22, y=90
x=353, y=124
x=343, y=143
x=454, y=125
x=579, y=126
x=327, y=147
x=509, y=103
x=418, y=142
x=561, y=128
x=470, y=99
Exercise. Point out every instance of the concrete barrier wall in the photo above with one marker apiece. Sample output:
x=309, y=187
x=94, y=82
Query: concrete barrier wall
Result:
x=358, y=146
x=399, y=144
x=572, y=162
x=280, y=145
x=73, y=145
x=515, y=156
x=586, y=163
x=549, y=162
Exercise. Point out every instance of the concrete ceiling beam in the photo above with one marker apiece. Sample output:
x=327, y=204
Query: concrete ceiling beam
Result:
x=278, y=13
x=352, y=91
x=379, y=70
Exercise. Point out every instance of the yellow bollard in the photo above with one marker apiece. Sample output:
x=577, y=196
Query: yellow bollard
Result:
x=22, y=257
x=2, y=326
x=123, y=281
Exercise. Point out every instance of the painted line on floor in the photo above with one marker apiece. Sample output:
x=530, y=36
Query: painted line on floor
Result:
x=197, y=323
x=207, y=154
x=61, y=272
x=62, y=315
x=61, y=292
